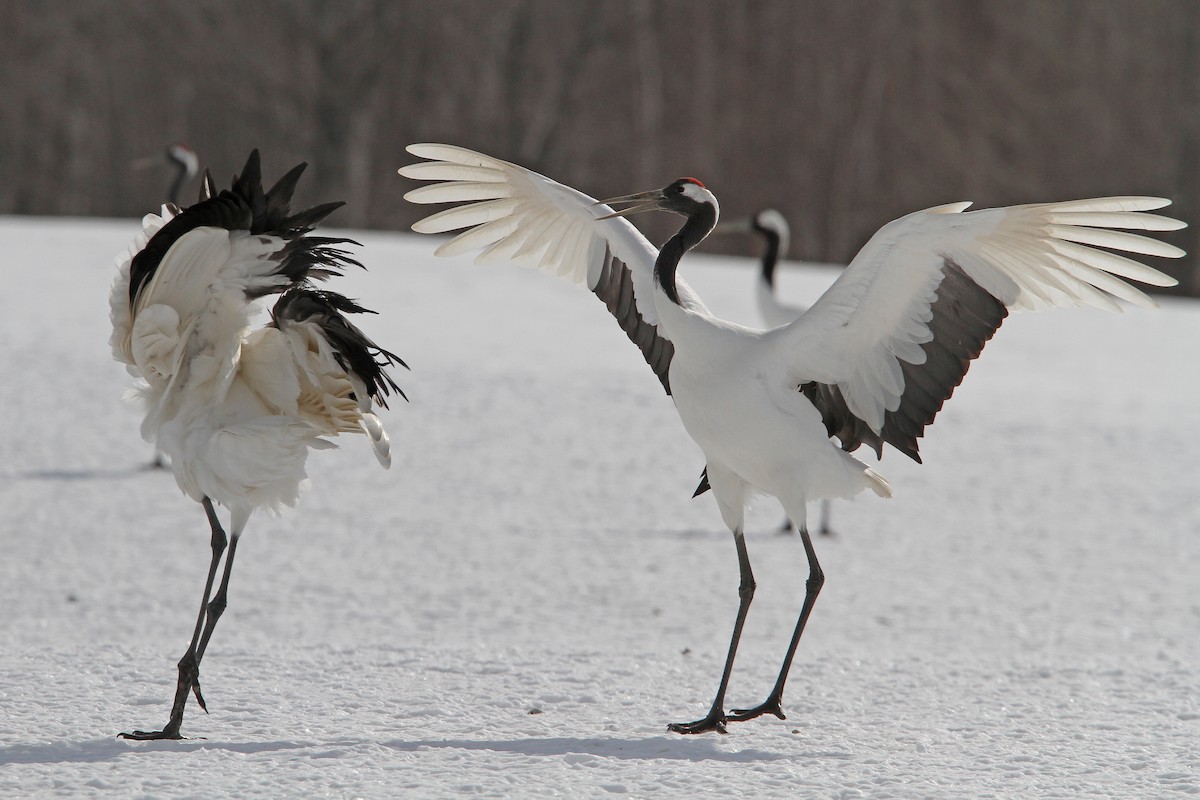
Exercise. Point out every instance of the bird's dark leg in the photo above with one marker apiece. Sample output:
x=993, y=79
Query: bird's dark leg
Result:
x=826, y=507
x=715, y=720
x=189, y=665
x=216, y=606
x=774, y=702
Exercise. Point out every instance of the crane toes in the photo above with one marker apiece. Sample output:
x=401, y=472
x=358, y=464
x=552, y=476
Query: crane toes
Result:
x=196, y=691
x=771, y=706
x=715, y=721
x=148, y=736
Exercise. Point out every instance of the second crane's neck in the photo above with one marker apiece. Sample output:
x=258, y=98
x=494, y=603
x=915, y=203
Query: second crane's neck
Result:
x=699, y=224
x=771, y=257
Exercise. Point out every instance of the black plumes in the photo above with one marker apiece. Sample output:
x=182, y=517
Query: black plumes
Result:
x=353, y=349
x=245, y=206
x=313, y=258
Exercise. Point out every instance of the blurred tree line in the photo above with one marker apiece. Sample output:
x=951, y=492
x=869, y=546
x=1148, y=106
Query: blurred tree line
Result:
x=844, y=114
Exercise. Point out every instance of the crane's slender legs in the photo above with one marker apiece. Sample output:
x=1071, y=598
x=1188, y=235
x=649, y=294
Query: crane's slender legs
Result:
x=716, y=718
x=216, y=606
x=189, y=665
x=774, y=702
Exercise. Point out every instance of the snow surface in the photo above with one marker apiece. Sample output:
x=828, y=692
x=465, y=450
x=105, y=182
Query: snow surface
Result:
x=520, y=605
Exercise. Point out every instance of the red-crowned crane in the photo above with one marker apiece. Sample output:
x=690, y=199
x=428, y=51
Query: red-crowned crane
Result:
x=871, y=362
x=237, y=408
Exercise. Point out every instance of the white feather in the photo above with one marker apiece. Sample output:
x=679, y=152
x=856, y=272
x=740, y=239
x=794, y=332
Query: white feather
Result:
x=1017, y=254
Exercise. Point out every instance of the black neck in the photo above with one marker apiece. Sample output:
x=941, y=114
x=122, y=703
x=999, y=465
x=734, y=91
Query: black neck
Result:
x=698, y=225
x=771, y=257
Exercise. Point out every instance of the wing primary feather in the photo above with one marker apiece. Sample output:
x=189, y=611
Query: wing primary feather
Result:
x=1115, y=219
x=447, y=171
x=542, y=224
x=1116, y=240
x=452, y=219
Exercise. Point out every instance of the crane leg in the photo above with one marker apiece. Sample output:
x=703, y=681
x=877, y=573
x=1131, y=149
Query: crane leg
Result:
x=189, y=665
x=216, y=606
x=774, y=702
x=715, y=719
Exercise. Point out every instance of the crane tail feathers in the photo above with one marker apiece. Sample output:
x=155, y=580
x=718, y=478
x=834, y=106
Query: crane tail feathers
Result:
x=877, y=483
x=380, y=441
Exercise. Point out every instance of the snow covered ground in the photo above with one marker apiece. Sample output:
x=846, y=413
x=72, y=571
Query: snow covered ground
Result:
x=525, y=600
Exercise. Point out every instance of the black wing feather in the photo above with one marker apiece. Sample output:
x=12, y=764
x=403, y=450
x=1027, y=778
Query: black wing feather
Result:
x=965, y=315
x=354, y=350
x=615, y=288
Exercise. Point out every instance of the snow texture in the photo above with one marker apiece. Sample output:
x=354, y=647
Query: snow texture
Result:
x=520, y=605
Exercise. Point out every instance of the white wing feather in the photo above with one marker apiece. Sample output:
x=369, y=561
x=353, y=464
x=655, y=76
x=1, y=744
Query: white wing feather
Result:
x=1030, y=257
x=513, y=214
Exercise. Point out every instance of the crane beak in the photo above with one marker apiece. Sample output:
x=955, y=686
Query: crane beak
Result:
x=642, y=201
x=145, y=162
x=744, y=225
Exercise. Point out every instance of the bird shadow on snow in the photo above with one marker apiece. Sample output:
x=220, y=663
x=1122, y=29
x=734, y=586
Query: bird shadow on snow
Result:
x=717, y=531
x=108, y=749
x=654, y=748
x=77, y=474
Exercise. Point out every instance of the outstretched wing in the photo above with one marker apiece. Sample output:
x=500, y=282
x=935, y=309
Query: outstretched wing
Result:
x=884, y=347
x=514, y=214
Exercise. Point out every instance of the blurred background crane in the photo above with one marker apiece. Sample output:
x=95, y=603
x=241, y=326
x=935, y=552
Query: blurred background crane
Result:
x=181, y=162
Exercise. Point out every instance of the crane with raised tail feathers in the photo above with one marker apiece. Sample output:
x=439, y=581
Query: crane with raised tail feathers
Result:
x=238, y=408
x=871, y=362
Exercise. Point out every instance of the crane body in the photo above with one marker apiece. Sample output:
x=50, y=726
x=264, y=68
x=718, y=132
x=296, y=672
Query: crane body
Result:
x=237, y=408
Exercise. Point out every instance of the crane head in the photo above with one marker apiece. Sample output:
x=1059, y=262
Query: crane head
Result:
x=684, y=196
x=185, y=158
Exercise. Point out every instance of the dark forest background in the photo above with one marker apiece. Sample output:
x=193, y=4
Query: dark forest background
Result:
x=842, y=113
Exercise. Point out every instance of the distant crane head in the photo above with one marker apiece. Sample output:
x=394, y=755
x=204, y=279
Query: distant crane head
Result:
x=770, y=222
x=772, y=227
x=182, y=158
